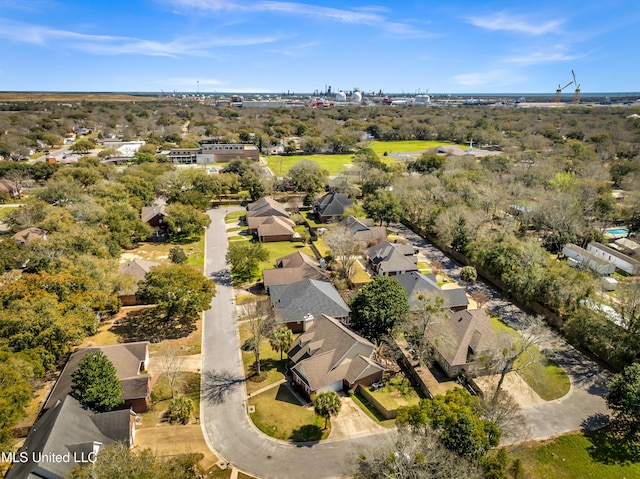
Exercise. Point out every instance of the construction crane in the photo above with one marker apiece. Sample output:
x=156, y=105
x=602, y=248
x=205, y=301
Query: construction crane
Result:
x=576, y=95
x=559, y=92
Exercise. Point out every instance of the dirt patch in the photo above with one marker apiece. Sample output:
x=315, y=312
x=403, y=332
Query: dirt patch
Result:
x=513, y=382
x=176, y=439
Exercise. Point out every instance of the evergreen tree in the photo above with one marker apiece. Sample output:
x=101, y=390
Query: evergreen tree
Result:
x=95, y=382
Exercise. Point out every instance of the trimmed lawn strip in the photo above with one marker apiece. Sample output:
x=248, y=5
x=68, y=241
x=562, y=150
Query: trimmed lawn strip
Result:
x=370, y=410
x=544, y=376
x=279, y=414
x=322, y=247
x=234, y=216
x=360, y=276
x=575, y=456
x=269, y=362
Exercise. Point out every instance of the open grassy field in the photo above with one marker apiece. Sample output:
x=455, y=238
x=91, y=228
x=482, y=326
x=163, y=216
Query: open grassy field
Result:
x=159, y=252
x=544, y=376
x=279, y=414
x=336, y=164
x=576, y=456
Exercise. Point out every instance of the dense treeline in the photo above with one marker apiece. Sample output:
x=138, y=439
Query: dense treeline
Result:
x=56, y=289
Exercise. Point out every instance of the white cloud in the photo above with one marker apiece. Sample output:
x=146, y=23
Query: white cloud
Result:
x=492, y=78
x=188, y=82
x=120, y=45
x=537, y=58
x=503, y=21
x=369, y=16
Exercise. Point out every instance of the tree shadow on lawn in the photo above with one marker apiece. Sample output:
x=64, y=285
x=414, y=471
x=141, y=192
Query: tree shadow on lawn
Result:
x=150, y=325
x=307, y=434
x=616, y=443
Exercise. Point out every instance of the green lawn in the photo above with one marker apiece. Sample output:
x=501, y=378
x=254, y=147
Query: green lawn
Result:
x=234, y=216
x=396, y=393
x=360, y=276
x=312, y=222
x=322, y=247
x=335, y=164
x=576, y=456
x=188, y=383
x=279, y=249
x=5, y=212
x=269, y=362
x=405, y=146
x=279, y=414
x=544, y=376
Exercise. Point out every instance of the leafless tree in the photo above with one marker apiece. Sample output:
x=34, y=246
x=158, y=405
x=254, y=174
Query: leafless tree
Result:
x=261, y=319
x=420, y=328
x=411, y=455
x=502, y=409
x=480, y=297
x=628, y=303
x=533, y=335
x=346, y=248
x=171, y=361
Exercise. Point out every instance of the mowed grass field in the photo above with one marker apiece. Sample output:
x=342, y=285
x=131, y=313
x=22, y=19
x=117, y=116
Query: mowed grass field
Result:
x=336, y=164
x=575, y=456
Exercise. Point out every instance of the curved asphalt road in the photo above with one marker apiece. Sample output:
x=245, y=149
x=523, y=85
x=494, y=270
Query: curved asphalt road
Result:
x=223, y=414
x=584, y=405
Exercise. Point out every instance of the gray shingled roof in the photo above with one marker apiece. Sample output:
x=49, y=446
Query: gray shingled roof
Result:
x=68, y=427
x=464, y=329
x=266, y=207
x=415, y=283
x=127, y=359
x=329, y=352
x=332, y=204
x=392, y=257
x=364, y=229
x=296, y=300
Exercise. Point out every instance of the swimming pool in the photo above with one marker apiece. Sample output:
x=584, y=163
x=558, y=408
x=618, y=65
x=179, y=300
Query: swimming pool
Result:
x=619, y=232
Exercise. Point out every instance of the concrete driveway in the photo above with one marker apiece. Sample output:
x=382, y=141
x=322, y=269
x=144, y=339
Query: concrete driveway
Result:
x=352, y=422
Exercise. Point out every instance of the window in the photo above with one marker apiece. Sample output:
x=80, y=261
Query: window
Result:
x=454, y=371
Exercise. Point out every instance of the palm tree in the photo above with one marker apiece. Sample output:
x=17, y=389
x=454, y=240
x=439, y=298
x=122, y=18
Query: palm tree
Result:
x=281, y=340
x=327, y=404
x=181, y=409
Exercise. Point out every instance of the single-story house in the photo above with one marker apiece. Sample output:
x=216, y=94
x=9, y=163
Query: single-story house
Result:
x=133, y=272
x=465, y=341
x=580, y=257
x=416, y=284
x=329, y=356
x=628, y=246
x=130, y=360
x=28, y=235
x=266, y=206
x=364, y=230
x=293, y=268
x=330, y=207
x=274, y=228
x=296, y=304
x=621, y=261
x=72, y=432
x=391, y=259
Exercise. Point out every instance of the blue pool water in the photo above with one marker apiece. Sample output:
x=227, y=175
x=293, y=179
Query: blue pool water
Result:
x=617, y=231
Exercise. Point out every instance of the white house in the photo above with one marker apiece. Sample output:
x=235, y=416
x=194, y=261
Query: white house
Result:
x=621, y=261
x=577, y=256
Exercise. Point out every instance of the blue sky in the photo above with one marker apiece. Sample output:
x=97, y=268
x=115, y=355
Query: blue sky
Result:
x=278, y=46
